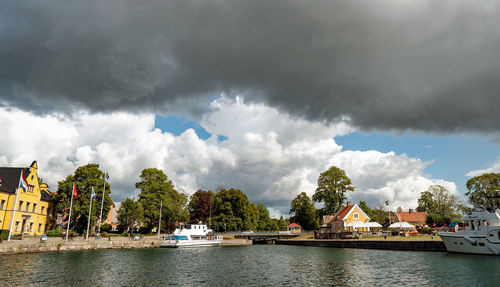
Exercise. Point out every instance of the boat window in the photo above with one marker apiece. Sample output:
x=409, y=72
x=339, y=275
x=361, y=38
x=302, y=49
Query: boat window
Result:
x=498, y=234
x=472, y=227
x=481, y=244
x=485, y=222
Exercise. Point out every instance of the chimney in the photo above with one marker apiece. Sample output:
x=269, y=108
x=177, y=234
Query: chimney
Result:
x=348, y=203
x=411, y=211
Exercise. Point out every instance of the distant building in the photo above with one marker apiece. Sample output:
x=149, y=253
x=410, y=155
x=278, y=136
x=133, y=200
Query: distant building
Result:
x=412, y=217
x=294, y=228
x=32, y=208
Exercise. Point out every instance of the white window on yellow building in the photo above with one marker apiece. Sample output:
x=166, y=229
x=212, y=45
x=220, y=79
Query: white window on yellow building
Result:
x=34, y=207
x=30, y=228
x=43, y=209
x=39, y=227
x=27, y=206
x=2, y=204
x=20, y=205
x=356, y=215
x=16, y=227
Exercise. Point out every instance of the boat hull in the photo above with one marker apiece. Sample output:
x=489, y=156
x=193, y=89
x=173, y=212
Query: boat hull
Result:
x=470, y=244
x=190, y=243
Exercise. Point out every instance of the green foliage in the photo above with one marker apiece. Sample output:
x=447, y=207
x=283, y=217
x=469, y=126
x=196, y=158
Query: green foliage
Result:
x=333, y=185
x=440, y=204
x=104, y=234
x=231, y=210
x=282, y=223
x=304, y=212
x=129, y=214
x=264, y=221
x=4, y=234
x=106, y=227
x=155, y=188
x=483, y=186
x=85, y=178
x=437, y=218
x=54, y=233
x=200, y=206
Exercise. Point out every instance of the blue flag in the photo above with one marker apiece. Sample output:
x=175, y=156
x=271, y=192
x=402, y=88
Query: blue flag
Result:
x=94, y=196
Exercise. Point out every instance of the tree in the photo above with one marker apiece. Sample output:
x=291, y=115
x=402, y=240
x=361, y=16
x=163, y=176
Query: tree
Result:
x=482, y=188
x=425, y=202
x=264, y=222
x=304, y=212
x=282, y=223
x=85, y=178
x=439, y=203
x=129, y=214
x=156, y=188
x=200, y=206
x=231, y=210
x=332, y=187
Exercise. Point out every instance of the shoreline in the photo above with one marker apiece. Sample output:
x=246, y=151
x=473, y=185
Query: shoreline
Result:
x=406, y=245
x=33, y=245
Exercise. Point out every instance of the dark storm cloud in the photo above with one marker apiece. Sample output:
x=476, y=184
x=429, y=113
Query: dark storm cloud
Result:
x=422, y=65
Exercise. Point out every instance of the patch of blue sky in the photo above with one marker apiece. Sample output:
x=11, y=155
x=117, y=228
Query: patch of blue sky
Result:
x=177, y=124
x=452, y=156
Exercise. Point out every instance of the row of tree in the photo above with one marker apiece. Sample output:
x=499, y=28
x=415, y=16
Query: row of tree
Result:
x=230, y=209
x=440, y=204
x=224, y=210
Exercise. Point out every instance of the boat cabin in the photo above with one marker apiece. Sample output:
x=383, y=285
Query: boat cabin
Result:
x=478, y=220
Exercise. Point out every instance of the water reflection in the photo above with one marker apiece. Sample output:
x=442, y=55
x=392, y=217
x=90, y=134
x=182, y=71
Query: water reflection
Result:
x=260, y=265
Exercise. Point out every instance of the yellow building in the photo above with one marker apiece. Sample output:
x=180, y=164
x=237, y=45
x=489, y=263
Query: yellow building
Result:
x=32, y=207
x=348, y=218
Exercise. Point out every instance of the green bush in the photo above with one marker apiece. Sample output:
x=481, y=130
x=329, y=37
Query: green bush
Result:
x=4, y=234
x=106, y=228
x=54, y=233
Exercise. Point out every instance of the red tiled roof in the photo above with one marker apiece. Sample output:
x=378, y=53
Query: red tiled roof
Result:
x=342, y=213
x=294, y=225
x=412, y=217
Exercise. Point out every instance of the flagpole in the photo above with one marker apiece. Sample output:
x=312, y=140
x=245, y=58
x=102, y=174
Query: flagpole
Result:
x=69, y=217
x=102, y=204
x=15, y=204
x=159, y=219
x=90, y=209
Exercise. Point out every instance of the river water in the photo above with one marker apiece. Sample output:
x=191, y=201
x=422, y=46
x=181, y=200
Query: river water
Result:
x=258, y=265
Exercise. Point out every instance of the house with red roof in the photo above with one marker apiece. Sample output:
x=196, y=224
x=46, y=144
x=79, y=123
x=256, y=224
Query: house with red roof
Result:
x=412, y=217
x=294, y=228
x=348, y=218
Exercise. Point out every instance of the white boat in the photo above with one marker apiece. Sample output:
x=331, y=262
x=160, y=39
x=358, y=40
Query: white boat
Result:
x=480, y=236
x=192, y=235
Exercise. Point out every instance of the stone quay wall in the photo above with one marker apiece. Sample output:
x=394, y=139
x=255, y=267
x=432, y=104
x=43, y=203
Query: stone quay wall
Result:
x=407, y=245
x=32, y=245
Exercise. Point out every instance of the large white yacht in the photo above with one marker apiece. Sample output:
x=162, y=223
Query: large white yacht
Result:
x=480, y=236
x=192, y=235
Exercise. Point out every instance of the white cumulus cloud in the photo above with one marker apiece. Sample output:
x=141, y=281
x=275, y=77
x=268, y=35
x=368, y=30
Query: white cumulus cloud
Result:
x=270, y=155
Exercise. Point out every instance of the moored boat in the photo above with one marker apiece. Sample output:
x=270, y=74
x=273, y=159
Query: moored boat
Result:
x=192, y=235
x=480, y=236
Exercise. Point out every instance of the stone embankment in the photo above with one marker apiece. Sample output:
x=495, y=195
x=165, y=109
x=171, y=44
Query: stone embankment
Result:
x=417, y=245
x=31, y=245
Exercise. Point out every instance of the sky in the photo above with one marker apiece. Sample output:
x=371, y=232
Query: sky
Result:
x=257, y=95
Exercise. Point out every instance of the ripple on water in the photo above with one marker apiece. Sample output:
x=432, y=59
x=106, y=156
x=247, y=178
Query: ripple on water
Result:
x=259, y=265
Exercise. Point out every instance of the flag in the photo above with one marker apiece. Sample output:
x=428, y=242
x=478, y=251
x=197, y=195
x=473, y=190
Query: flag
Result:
x=23, y=182
x=93, y=195
x=74, y=191
x=107, y=175
x=387, y=202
